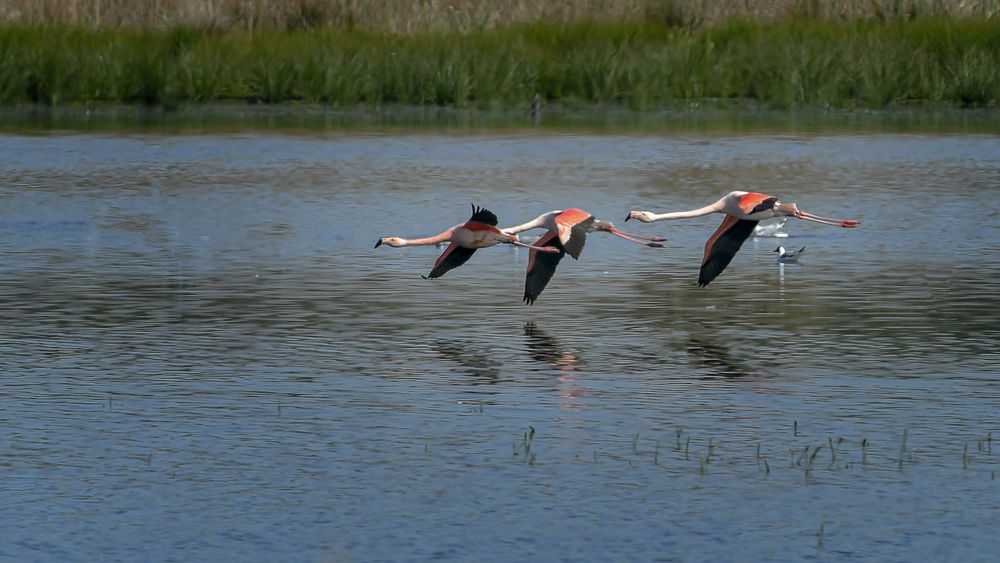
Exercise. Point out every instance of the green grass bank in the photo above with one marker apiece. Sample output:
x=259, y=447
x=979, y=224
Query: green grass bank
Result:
x=792, y=63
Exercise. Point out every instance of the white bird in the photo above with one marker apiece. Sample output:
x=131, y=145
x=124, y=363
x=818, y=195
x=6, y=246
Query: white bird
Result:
x=788, y=256
x=771, y=229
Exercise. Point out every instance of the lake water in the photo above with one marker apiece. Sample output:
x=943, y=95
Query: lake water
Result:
x=203, y=358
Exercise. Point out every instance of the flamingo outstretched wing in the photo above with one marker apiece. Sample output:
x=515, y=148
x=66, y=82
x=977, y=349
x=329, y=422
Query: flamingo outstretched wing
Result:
x=722, y=246
x=541, y=267
x=453, y=257
x=573, y=225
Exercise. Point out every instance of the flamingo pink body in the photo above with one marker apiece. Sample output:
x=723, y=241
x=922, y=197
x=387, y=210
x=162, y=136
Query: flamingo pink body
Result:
x=480, y=231
x=743, y=211
x=566, y=230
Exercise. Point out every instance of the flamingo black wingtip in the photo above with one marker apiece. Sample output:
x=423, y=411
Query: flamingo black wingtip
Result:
x=483, y=215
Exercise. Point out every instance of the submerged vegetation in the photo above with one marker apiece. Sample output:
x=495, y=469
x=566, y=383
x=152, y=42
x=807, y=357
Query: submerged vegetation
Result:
x=644, y=58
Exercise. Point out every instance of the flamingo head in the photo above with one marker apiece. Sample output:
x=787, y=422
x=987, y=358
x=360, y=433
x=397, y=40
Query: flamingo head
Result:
x=391, y=241
x=644, y=216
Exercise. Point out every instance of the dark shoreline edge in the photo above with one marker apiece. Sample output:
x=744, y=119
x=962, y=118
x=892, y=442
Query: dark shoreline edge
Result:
x=708, y=116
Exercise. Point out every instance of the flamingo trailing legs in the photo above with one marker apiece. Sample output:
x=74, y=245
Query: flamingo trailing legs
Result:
x=480, y=231
x=566, y=230
x=743, y=211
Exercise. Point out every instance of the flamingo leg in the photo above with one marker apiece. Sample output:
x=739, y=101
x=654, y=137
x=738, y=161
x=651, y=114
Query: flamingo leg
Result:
x=538, y=248
x=846, y=223
x=652, y=238
x=637, y=239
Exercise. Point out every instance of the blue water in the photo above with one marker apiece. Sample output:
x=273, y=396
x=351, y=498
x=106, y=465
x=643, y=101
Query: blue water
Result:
x=203, y=357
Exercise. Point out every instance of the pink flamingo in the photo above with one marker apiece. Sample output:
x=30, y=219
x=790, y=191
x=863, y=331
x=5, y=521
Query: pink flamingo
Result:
x=480, y=231
x=743, y=211
x=567, y=231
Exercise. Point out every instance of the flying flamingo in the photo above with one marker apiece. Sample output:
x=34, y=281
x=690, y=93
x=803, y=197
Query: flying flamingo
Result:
x=567, y=231
x=743, y=211
x=480, y=231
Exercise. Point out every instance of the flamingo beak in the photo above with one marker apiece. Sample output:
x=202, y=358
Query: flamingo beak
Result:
x=379, y=243
x=627, y=217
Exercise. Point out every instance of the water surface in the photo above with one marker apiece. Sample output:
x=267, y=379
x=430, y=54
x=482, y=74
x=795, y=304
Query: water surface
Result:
x=204, y=357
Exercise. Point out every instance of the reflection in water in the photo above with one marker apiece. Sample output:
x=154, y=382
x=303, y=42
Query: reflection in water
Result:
x=716, y=359
x=478, y=365
x=546, y=349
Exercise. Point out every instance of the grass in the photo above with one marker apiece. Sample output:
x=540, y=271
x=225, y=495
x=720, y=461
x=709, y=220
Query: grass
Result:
x=643, y=65
x=462, y=16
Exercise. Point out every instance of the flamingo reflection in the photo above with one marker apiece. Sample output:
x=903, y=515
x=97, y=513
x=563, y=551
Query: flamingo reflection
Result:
x=481, y=368
x=717, y=359
x=546, y=349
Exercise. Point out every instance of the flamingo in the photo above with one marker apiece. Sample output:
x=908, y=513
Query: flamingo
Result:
x=480, y=231
x=743, y=211
x=567, y=231
x=789, y=256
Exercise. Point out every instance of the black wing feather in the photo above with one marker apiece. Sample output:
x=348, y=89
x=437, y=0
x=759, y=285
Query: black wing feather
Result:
x=765, y=205
x=543, y=267
x=578, y=237
x=483, y=215
x=726, y=246
x=453, y=257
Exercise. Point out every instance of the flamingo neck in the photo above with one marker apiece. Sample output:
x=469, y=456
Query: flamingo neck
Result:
x=535, y=223
x=443, y=237
x=700, y=212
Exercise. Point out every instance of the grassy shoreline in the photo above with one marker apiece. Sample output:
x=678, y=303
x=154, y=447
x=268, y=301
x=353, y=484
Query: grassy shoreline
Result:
x=641, y=66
